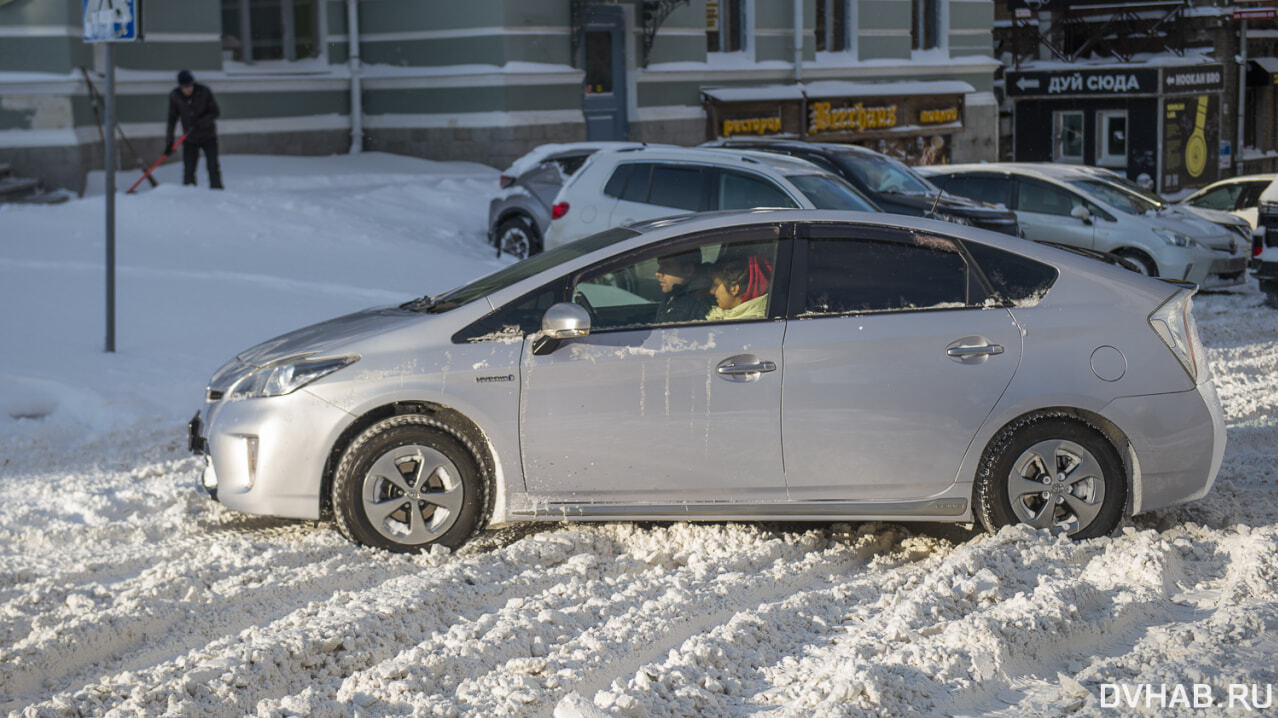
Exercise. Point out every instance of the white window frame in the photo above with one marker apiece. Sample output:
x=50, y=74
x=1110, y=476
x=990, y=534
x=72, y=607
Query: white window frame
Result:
x=850, y=25
x=1058, y=137
x=942, y=21
x=245, y=31
x=1103, y=158
x=747, y=33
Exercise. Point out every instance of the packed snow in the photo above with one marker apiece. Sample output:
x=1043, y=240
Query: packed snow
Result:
x=124, y=592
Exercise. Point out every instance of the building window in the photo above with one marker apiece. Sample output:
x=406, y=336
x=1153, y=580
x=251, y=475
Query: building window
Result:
x=725, y=25
x=257, y=30
x=1111, y=144
x=835, y=25
x=927, y=24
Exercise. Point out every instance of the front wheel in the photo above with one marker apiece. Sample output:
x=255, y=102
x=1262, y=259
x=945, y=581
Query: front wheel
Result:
x=1144, y=264
x=1052, y=472
x=406, y=483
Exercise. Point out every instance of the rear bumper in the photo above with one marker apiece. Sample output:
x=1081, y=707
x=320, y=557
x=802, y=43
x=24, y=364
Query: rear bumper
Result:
x=1179, y=442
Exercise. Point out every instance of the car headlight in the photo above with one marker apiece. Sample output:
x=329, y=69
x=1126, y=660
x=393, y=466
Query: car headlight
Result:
x=1176, y=239
x=286, y=376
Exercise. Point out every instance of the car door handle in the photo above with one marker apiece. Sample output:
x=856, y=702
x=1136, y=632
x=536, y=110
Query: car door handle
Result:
x=965, y=352
x=754, y=368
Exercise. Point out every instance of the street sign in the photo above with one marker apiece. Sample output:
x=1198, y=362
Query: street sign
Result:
x=112, y=20
x=1255, y=13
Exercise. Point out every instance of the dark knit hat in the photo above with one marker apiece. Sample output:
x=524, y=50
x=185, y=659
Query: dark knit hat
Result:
x=186, y=78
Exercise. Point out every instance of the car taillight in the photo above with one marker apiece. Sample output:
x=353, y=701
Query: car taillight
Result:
x=559, y=210
x=1174, y=324
x=505, y=181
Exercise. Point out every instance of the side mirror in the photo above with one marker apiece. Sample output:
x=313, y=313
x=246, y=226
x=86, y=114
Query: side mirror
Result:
x=1081, y=214
x=561, y=321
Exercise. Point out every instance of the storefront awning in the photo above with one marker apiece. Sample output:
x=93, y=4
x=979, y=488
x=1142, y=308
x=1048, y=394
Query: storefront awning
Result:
x=1262, y=72
x=836, y=88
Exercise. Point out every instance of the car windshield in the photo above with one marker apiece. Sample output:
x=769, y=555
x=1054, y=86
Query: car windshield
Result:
x=1135, y=188
x=831, y=193
x=1118, y=197
x=884, y=174
x=519, y=271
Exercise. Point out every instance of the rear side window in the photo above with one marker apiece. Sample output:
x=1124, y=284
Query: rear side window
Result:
x=616, y=185
x=637, y=186
x=675, y=186
x=1020, y=280
x=738, y=190
x=881, y=273
x=1045, y=199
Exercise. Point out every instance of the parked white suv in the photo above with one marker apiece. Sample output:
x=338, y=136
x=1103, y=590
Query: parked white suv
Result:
x=616, y=188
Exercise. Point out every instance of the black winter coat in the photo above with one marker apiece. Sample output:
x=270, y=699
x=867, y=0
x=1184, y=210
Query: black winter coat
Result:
x=197, y=113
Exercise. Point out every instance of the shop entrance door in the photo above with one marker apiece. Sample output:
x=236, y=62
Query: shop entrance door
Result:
x=1067, y=137
x=604, y=60
x=1111, y=138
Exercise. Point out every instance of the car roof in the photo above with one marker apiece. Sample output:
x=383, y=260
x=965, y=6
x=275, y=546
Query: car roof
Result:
x=838, y=148
x=1044, y=170
x=722, y=157
x=1264, y=177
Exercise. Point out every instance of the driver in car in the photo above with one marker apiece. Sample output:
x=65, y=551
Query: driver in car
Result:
x=684, y=287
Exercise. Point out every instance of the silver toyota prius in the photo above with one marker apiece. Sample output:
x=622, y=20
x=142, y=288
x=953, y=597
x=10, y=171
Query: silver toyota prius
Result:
x=777, y=364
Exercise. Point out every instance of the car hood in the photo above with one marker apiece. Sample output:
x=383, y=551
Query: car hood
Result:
x=1201, y=229
x=1224, y=219
x=328, y=335
x=948, y=204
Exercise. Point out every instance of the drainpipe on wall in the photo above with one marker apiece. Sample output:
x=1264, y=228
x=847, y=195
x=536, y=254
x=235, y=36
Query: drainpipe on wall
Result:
x=357, y=102
x=798, y=41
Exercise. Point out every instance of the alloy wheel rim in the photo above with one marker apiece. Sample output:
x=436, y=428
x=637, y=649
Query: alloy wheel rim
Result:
x=1058, y=485
x=515, y=242
x=412, y=494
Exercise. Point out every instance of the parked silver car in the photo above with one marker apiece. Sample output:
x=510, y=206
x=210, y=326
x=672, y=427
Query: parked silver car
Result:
x=784, y=364
x=520, y=211
x=1083, y=207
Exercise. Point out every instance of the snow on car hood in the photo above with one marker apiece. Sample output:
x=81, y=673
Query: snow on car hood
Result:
x=1204, y=231
x=330, y=334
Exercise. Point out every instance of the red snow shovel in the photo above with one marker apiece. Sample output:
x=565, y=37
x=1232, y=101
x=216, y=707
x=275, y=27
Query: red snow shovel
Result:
x=146, y=174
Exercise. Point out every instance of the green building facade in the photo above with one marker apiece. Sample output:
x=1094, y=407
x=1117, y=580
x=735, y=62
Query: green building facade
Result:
x=486, y=80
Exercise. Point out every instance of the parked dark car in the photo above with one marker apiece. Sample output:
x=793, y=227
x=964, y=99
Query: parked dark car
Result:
x=892, y=185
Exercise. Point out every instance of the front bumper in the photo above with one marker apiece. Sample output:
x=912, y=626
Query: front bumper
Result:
x=1218, y=270
x=267, y=456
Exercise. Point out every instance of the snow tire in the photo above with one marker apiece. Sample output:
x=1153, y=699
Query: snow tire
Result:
x=1009, y=449
x=453, y=468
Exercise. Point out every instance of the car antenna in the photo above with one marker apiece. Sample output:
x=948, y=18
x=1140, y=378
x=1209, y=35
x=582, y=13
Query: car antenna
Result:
x=935, y=201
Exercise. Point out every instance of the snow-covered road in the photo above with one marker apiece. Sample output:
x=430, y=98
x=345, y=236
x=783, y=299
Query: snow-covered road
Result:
x=124, y=592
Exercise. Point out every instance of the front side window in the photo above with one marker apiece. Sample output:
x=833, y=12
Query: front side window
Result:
x=982, y=188
x=884, y=174
x=261, y=30
x=726, y=25
x=676, y=186
x=727, y=277
x=849, y=272
x=1043, y=198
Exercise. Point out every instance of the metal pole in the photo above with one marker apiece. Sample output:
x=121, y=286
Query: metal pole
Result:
x=108, y=164
x=798, y=40
x=357, y=95
x=1242, y=97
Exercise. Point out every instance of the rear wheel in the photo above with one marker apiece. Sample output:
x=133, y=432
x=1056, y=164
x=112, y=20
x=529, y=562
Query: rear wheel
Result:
x=1053, y=472
x=518, y=237
x=406, y=483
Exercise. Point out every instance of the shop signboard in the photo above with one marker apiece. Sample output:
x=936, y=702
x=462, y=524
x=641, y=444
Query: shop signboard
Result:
x=1191, y=126
x=1062, y=83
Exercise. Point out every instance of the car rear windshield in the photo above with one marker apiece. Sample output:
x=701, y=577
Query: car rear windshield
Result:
x=1118, y=197
x=529, y=267
x=830, y=193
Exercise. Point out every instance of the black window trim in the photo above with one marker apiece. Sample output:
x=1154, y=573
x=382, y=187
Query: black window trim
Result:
x=779, y=288
x=796, y=305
